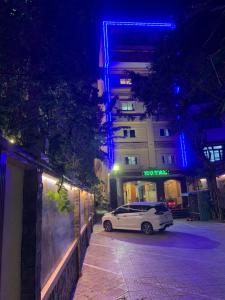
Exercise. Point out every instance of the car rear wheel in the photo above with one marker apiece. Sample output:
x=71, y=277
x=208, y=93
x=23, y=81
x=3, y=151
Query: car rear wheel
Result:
x=147, y=228
x=108, y=226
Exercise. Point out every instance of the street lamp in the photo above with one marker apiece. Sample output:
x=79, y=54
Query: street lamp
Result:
x=115, y=167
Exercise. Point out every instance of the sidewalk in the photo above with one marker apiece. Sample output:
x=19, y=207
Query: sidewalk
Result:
x=102, y=276
x=187, y=263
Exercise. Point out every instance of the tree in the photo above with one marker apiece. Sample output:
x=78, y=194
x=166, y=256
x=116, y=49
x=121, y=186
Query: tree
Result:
x=48, y=66
x=186, y=80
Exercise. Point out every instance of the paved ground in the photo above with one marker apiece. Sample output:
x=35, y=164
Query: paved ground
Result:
x=187, y=263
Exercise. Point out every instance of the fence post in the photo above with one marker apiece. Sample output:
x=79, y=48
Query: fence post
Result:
x=31, y=235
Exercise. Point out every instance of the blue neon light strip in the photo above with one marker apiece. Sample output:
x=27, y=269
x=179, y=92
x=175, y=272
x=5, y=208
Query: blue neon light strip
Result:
x=183, y=150
x=3, y=159
x=110, y=144
x=141, y=24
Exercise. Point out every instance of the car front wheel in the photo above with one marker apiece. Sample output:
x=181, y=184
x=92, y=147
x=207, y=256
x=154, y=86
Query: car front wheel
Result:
x=107, y=226
x=147, y=228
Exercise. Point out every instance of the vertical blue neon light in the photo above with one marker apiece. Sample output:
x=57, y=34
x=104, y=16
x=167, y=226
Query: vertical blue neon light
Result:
x=3, y=158
x=183, y=150
x=166, y=25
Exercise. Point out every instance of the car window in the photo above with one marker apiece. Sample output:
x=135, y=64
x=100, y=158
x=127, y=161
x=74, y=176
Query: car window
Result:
x=122, y=210
x=161, y=208
x=139, y=208
x=145, y=207
x=134, y=208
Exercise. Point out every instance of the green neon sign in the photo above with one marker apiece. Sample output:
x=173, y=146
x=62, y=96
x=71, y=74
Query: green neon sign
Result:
x=155, y=172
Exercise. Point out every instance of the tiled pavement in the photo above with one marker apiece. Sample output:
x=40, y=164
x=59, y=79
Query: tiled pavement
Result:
x=187, y=263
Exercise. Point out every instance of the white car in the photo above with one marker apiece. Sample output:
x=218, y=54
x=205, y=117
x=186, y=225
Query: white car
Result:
x=145, y=216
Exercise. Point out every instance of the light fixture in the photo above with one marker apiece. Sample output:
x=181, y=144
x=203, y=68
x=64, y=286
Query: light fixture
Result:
x=12, y=140
x=202, y=179
x=48, y=178
x=116, y=167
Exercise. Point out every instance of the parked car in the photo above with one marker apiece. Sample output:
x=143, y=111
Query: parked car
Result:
x=145, y=216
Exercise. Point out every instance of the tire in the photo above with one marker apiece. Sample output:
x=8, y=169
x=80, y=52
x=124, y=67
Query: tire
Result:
x=108, y=226
x=147, y=228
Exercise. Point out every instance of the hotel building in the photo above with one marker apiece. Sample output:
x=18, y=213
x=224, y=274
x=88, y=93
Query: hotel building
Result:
x=145, y=161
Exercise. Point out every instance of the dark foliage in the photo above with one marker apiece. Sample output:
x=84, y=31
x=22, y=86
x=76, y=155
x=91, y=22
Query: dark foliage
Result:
x=48, y=101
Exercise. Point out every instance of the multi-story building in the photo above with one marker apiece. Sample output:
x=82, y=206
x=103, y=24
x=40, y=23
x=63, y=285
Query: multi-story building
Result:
x=144, y=159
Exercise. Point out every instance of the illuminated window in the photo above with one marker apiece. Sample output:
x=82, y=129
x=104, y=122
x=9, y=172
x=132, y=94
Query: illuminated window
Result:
x=165, y=132
x=127, y=106
x=125, y=81
x=131, y=160
x=168, y=159
x=129, y=133
x=214, y=153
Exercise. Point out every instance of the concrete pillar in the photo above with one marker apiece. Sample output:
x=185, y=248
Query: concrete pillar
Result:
x=113, y=193
x=31, y=236
x=77, y=225
x=76, y=193
x=160, y=190
x=119, y=186
x=86, y=208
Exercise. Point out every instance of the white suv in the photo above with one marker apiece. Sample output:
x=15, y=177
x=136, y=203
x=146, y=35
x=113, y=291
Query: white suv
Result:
x=145, y=216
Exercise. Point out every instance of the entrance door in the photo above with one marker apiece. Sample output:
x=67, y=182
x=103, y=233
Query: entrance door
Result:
x=139, y=191
x=172, y=190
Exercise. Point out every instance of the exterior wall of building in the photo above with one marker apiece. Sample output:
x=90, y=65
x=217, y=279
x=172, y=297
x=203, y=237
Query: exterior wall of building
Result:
x=147, y=145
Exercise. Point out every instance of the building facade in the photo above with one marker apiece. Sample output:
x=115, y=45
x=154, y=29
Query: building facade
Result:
x=145, y=160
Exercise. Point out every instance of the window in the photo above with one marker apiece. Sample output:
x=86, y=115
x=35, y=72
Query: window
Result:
x=129, y=133
x=165, y=132
x=125, y=134
x=132, y=133
x=168, y=159
x=125, y=81
x=127, y=106
x=214, y=153
x=131, y=160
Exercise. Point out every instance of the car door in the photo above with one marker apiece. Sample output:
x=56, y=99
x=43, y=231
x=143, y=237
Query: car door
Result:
x=121, y=217
x=136, y=216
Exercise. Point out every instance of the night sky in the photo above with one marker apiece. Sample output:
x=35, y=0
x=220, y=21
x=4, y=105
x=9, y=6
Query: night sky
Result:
x=143, y=10
x=130, y=10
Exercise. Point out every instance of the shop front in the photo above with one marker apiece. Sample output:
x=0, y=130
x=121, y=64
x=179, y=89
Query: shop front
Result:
x=151, y=185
